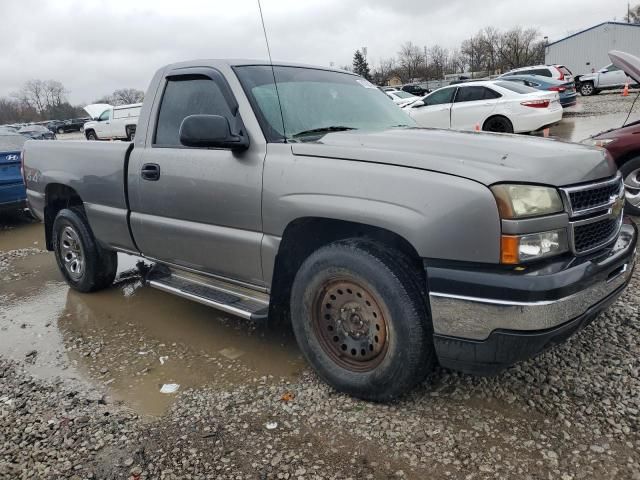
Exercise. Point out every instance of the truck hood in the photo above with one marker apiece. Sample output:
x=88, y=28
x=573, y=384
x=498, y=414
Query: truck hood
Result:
x=96, y=109
x=627, y=62
x=487, y=158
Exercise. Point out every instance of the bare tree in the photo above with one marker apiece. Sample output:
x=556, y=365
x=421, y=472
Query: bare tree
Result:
x=520, y=47
x=438, y=61
x=384, y=71
x=126, y=96
x=410, y=59
x=633, y=16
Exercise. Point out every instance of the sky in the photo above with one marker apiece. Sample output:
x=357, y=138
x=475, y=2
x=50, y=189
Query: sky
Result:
x=95, y=47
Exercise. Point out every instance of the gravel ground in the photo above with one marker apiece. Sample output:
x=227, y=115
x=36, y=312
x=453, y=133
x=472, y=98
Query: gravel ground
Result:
x=572, y=413
x=605, y=103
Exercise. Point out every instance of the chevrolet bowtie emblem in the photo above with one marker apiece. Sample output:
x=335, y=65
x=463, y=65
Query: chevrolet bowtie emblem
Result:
x=616, y=208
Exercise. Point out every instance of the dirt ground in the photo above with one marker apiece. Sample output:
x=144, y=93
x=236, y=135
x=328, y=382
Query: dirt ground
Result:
x=82, y=377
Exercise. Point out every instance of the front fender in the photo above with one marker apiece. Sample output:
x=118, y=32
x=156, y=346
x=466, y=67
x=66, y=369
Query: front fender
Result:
x=442, y=216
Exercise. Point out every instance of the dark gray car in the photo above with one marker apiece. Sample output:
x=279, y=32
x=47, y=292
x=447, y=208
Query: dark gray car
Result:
x=389, y=247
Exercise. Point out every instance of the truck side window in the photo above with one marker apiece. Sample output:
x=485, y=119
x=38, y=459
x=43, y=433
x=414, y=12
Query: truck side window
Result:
x=183, y=97
x=104, y=116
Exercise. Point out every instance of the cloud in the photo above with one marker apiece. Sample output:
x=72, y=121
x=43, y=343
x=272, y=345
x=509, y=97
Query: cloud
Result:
x=94, y=47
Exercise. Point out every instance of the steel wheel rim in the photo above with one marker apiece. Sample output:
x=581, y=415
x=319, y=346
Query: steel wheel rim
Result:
x=71, y=252
x=350, y=324
x=632, y=187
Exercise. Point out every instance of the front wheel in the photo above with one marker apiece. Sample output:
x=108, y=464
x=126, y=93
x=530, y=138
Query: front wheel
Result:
x=587, y=89
x=61, y=131
x=91, y=135
x=360, y=318
x=85, y=265
x=631, y=174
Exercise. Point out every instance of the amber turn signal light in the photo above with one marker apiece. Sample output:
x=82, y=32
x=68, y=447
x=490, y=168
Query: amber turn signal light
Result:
x=509, y=247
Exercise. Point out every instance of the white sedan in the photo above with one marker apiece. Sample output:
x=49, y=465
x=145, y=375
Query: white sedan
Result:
x=493, y=106
x=400, y=97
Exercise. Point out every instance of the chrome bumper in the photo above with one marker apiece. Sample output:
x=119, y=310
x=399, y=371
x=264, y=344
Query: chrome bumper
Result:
x=475, y=318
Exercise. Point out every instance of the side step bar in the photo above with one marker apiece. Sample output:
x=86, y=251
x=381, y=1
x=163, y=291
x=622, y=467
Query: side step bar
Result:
x=224, y=296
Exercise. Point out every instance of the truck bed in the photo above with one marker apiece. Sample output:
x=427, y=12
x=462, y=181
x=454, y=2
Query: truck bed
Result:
x=94, y=170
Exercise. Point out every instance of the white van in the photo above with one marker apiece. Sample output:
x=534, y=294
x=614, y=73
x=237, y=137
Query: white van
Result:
x=111, y=123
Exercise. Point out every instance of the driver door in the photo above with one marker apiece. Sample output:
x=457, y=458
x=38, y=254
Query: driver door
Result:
x=103, y=127
x=434, y=110
x=612, y=77
x=192, y=207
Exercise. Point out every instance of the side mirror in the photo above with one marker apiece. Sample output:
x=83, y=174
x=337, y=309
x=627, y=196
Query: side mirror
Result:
x=210, y=131
x=418, y=103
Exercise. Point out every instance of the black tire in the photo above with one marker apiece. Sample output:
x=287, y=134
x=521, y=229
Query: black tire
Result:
x=498, y=124
x=631, y=174
x=384, y=275
x=61, y=131
x=100, y=265
x=587, y=89
x=91, y=135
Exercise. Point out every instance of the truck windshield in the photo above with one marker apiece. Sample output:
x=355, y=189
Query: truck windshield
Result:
x=315, y=102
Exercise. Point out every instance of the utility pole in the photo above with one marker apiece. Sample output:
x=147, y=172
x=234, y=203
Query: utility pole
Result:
x=628, y=12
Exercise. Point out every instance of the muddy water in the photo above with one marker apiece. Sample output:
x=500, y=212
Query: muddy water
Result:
x=576, y=128
x=130, y=339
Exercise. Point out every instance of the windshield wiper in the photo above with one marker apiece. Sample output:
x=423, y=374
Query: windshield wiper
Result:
x=337, y=128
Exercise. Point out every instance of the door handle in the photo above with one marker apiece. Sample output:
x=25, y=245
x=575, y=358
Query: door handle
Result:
x=150, y=171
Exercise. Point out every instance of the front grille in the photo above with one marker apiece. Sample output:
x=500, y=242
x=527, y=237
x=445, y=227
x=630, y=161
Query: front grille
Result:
x=585, y=199
x=595, y=213
x=592, y=235
x=589, y=198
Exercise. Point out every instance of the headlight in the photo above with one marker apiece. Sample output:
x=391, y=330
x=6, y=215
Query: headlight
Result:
x=521, y=201
x=592, y=142
x=516, y=249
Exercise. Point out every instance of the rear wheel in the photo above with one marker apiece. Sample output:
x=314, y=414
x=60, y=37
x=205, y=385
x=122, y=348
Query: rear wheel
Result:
x=631, y=174
x=498, y=124
x=360, y=319
x=85, y=265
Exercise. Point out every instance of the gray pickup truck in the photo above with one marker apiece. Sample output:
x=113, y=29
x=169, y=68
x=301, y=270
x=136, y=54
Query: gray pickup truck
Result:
x=390, y=247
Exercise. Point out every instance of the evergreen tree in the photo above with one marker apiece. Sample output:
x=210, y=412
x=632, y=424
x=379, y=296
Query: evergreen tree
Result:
x=360, y=65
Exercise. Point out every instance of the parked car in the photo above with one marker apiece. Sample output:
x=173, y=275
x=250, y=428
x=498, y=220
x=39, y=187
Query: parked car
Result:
x=12, y=191
x=68, y=126
x=607, y=78
x=53, y=125
x=112, y=123
x=566, y=90
x=624, y=143
x=37, y=132
x=401, y=97
x=494, y=106
x=417, y=89
x=392, y=247
x=558, y=72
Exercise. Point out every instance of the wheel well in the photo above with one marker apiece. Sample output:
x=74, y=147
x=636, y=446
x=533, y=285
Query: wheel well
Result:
x=628, y=156
x=305, y=235
x=57, y=197
x=497, y=116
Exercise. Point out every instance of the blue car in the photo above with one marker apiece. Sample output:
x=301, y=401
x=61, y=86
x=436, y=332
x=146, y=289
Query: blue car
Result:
x=566, y=90
x=13, y=195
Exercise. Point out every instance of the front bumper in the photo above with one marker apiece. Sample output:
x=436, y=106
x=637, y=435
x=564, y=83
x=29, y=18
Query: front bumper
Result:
x=486, y=319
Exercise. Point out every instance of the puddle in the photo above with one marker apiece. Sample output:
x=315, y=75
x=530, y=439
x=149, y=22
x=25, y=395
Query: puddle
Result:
x=576, y=128
x=117, y=337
